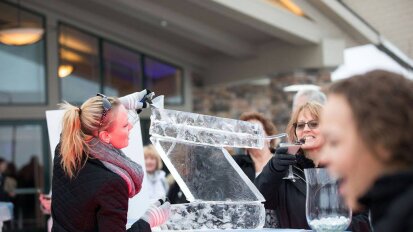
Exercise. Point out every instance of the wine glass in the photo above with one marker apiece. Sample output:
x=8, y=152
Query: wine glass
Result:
x=325, y=207
x=292, y=149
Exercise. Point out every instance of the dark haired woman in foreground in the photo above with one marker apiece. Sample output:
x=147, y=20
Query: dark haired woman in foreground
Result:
x=368, y=127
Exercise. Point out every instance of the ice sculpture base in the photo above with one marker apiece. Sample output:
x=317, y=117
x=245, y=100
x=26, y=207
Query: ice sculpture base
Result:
x=216, y=215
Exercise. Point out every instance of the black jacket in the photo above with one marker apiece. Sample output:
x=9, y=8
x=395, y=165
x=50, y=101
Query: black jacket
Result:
x=287, y=197
x=246, y=164
x=391, y=202
x=96, y=199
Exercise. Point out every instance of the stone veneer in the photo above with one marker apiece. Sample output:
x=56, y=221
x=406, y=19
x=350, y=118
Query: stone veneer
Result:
x=231, y=100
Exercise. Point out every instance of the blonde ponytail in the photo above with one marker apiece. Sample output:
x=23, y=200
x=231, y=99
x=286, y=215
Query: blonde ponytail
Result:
x=72, y=142
x=78, y=126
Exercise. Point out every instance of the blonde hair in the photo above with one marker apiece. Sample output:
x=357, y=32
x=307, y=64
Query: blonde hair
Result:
x=79, y=124
x=313, y=108
x=150, y=151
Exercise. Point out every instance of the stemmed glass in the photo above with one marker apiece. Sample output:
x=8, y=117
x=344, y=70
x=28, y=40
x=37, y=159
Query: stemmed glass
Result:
x=292, y=149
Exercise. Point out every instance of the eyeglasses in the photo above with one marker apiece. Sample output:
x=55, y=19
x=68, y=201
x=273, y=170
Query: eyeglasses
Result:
x=106, y=107
x=313, y=124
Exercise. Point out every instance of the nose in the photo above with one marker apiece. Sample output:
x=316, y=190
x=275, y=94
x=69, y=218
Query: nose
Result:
x=306, y=127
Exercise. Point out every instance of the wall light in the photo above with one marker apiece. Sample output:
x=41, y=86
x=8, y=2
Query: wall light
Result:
x=19, y=34
x=65, y=70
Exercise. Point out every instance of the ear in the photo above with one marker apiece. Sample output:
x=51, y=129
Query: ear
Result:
x=383, y=154
x=104, y=136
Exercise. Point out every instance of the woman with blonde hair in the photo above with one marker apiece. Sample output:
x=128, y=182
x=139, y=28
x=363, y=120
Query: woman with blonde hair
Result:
x=287, y=196
x=158, y=186
x=92, y=178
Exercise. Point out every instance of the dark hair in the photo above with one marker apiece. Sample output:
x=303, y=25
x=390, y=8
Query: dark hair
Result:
x=269, y=127
x=381, y=103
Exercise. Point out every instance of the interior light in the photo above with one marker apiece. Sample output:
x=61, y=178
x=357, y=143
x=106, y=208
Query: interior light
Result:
x=21, y=36
x=65, y=70
x=19, y=33
x=291, y=6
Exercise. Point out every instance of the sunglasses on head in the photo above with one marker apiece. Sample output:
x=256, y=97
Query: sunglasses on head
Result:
x=313, y=124
x=106, y=107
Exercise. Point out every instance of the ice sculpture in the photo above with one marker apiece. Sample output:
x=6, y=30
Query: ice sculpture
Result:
x=221, y=196
x=208, y=130
x=215, y=215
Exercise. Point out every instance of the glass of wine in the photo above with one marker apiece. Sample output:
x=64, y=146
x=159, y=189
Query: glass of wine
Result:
x=292, y=149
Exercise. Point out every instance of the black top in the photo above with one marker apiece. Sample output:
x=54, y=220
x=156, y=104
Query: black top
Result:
x=96, y=199
x=246, y=164
x=287, y=197
x=4, y=196
x=391, y=202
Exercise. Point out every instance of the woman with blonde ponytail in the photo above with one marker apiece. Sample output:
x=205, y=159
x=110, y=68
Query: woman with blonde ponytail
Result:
x=92, y=178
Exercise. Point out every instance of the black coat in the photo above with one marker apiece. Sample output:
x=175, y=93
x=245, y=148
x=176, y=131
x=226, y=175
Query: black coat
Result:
x=96, y=199
x=246, y=164
x=287, y=197
x=391, y=202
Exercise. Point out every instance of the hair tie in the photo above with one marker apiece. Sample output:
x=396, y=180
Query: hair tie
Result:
x=80, y=110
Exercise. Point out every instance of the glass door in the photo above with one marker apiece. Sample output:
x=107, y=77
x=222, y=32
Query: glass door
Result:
x=23, y=145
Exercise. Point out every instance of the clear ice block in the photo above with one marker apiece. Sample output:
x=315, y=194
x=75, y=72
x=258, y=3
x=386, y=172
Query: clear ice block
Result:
x=216, y=215
x=205, y=130
x=221, y=195
x=206, y=173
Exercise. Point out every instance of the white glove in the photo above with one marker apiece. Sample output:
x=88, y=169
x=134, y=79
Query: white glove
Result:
x=158, y=213
x=137, y=100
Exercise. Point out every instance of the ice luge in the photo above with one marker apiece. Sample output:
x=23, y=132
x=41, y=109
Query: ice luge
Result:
x=206, y=130
x=216, y=215
x=192, y=147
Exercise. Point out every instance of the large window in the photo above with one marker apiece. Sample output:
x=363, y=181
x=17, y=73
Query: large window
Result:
x=89, y=64
x=123, y=72
x=164, y=79
x=22, y=68
x=79, y=67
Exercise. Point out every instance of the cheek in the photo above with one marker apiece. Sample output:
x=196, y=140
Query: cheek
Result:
x=338, y=158
x=359, y=176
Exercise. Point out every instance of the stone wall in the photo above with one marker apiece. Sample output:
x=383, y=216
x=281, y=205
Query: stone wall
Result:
x=264, y=96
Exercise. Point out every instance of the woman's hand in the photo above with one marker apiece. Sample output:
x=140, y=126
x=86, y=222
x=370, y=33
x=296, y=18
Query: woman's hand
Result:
x=45, y=203
x=281, y=159
x=158, y=213
x=137, y=100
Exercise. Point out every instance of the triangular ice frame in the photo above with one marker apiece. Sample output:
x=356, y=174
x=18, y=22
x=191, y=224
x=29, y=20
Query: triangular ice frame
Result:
x=206, y=173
